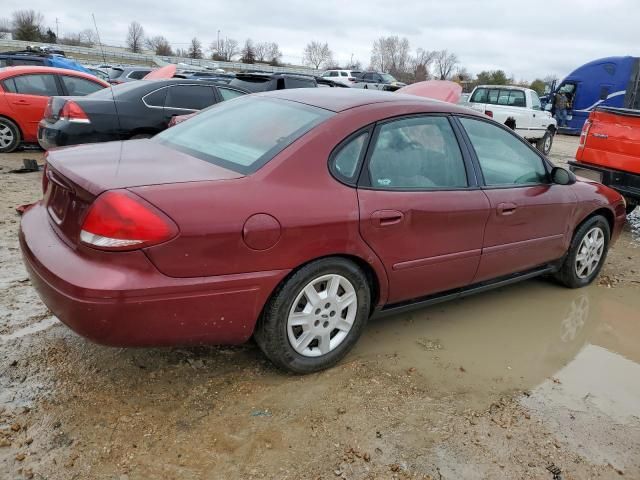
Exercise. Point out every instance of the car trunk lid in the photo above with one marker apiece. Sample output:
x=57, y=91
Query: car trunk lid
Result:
x=76, y=176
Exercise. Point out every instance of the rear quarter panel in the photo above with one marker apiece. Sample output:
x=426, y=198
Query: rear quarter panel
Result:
x=592, y=197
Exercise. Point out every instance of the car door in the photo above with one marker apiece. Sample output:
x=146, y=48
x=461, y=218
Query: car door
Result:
x=420, y=210
x=529, y=223
x=188, y=98
x=514, y=103
x=27, y=96
x=539, y=119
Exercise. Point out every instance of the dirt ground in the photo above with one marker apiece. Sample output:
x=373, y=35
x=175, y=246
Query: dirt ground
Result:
x=532, y=381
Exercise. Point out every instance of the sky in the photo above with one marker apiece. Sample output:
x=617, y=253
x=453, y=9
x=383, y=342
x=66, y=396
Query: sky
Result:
x=526, y=39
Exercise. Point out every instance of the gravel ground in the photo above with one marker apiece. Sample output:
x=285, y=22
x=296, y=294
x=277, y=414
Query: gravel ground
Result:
x=529, y=381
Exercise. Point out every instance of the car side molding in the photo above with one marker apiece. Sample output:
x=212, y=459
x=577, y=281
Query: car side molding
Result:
x=421, y=302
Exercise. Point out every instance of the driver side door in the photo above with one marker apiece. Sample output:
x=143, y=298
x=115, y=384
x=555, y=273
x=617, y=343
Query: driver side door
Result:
x=529, y=217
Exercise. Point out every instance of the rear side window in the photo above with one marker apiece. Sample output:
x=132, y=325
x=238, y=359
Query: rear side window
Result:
x=156, y=99
x=344, y=74
x=27, y=61
x=504, y=158
x=293, y=82
x=9, y=85
x=228, y=93
x=417, y=153
x=138, y=74
x=189, y=97
x=345, y=160
x=43, y=85
x=244, y=134
x=79, y=86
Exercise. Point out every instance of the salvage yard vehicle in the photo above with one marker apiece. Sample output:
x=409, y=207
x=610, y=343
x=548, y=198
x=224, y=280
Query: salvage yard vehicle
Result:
x=377, y=81
x=609, y=151
x=24, y=93
x=41, y=58
x=118, y=75
x=132, y=110
x=265, y=81
x=519, y=108
x=346, y=77
x=191, y=238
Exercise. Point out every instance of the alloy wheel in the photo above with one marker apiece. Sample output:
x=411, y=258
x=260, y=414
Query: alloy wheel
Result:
x=589, y=252
x=322, y=315
x=6, y=136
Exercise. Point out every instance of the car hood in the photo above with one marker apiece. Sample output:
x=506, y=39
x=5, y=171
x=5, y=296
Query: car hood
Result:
x=99, y=167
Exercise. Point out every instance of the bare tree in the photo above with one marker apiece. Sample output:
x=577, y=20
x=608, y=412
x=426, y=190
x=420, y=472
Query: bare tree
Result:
x=195, y=48
x=160, y=45
x=421, y=63
x=445, y=64
x=27, y=25
x=261, y=51
x=182, y=53
x=317, y=54
x=85, y=38
x=248, y=52
x=274, y=55
x=5, y=28
x=135, y=37
x=391, y=54
x=226, y=50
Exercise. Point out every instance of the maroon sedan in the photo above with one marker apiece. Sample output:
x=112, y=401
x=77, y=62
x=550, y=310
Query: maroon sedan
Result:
x=295, y=215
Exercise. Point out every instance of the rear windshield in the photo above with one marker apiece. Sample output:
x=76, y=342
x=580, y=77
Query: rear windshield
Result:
x=252, y=84
x=115, y=73
x=245, y=133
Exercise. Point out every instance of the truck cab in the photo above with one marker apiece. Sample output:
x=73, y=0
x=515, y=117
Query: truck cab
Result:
x=520, y=109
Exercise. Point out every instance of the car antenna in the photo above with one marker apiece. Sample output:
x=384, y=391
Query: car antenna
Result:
x=104, y=59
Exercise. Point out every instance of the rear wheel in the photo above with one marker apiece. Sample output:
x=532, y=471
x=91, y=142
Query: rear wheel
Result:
x=587, y=253
x=9, y=136
x=315, y=317
x=544, y=144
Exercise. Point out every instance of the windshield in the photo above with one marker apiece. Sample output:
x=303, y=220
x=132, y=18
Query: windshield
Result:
x=115, y=72
x=387, y=78
x=244, y=133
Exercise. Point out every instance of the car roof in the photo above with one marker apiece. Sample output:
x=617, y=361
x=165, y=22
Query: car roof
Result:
x=504, y=87
x=7, y=72
x=340, y=99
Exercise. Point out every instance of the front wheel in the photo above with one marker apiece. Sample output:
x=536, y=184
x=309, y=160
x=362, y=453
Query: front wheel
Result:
x=544, y=144
x=315, y=317
x=587, y=253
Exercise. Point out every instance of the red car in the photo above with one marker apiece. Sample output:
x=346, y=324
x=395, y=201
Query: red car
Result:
x=295, y=215
x=24, y=93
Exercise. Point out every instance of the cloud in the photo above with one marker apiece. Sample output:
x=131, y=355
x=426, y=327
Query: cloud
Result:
x=526, y=39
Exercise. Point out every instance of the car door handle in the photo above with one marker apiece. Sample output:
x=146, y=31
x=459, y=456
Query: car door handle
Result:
x=22, y=102
x=385, y=218
x=506, y=208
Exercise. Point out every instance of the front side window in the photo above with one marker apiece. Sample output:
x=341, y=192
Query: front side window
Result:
x=345, y=161
x=503, y=157
x=79, y=86
x=189, y=97
x=43, y=85
x=385, y=77
x=535, y=101
x=344, y=74
x=334, y=74
x=417, y=153
x=479, y=96
x=244, y=134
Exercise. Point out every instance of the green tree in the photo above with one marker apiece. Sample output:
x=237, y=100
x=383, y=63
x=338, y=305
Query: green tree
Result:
x=538, y=86
x=493, y=77
x=27, y=25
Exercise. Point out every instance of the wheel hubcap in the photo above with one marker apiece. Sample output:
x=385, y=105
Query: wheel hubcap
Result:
x=547, y=144
x=590, y=252
x=322, y=315
x=6, y=136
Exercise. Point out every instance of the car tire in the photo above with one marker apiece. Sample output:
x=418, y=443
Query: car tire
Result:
x=544, y=144
x=10, y=137
x=301, y=332
x=587, y=253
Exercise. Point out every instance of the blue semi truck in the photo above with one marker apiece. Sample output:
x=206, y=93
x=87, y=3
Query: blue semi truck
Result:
x=611, y=81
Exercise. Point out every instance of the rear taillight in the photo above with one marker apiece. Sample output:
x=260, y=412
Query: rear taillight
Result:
x=488, y=113
x=120, y=220
x=585, y=132
x=72, y=112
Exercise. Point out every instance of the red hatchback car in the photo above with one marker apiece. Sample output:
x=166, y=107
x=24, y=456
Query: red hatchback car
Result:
x=295, y=215
x=24, y=93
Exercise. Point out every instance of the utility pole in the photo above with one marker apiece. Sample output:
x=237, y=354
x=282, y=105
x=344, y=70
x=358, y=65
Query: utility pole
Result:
x=218, y=52
x=57, y=24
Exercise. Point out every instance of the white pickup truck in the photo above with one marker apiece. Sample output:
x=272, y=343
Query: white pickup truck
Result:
x=520, y=109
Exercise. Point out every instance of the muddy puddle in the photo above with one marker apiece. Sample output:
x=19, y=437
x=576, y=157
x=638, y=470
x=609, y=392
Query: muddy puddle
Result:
x=513, y=338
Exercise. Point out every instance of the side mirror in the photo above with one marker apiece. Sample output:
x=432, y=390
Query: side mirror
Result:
x=562, y=176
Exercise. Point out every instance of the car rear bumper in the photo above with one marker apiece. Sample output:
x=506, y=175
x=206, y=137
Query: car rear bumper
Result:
x=626, y=183
x=121, y=299
x=63, y=133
